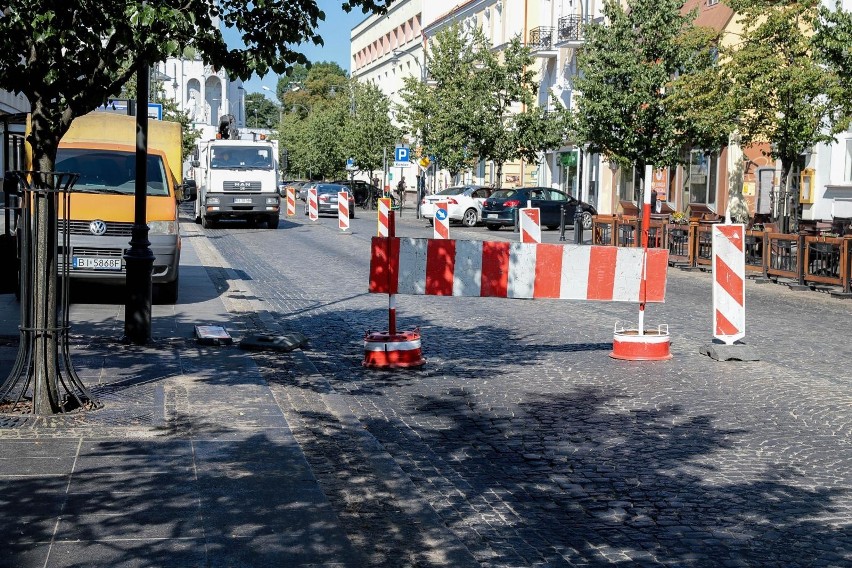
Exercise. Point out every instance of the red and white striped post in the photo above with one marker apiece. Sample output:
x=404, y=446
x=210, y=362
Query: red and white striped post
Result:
x=291, y=201
x=343, y=210
x=313, y=211
x=530, y=225
x=441, y=222
x=384, y=216
x=728, y=282
x=641, y=344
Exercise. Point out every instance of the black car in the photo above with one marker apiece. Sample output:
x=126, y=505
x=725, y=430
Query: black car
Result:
x=327, y=199
x=499, y=209
x=360, y=189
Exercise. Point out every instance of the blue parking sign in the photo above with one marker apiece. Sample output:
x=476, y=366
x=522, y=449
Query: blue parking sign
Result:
x=400, y=154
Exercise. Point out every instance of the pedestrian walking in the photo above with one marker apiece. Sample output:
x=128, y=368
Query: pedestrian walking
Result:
x=400, y=191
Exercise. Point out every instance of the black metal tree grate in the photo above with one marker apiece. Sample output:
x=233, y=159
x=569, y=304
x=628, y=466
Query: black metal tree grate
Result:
x=43, y=380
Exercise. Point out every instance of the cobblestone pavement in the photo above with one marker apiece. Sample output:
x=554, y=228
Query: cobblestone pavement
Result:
x=531, y=445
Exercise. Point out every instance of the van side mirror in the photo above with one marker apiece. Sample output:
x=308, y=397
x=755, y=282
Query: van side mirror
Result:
x=190, y=190
x=195, y=163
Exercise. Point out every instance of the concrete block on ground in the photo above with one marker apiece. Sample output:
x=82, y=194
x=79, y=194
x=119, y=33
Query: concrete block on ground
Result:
x=724, y=352
x=264, y=342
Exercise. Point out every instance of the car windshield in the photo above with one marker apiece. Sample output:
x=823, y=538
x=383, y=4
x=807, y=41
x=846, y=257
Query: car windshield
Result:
x=504, y=193
x=110, y=171
x=241, y=157
x=451, y=191
x=330, y=188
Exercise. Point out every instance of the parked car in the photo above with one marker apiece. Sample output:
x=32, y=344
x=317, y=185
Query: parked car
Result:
x=361, y=189
x=499, y=209
x=327, y=199
x=302, y=191
x=464, y=203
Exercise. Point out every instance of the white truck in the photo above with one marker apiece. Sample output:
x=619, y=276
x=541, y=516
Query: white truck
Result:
x=237, y=179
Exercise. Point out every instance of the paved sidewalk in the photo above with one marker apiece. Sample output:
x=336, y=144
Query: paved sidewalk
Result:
x=190, y=463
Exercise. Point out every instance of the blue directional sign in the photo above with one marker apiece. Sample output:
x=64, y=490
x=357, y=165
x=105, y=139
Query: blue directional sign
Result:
x=440, y=214
x=350, y=163
x=401, y=157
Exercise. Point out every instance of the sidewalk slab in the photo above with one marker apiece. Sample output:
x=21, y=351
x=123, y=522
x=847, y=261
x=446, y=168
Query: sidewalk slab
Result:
x=191, y=462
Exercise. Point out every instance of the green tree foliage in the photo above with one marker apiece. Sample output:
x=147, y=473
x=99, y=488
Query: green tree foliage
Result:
x=478, y=104
x=260, y=111
x=507, y=124
x=627, y=109
x=316, y=85
x=440, y=111
x=68, y=58
x=787, y=81
x=369, y=132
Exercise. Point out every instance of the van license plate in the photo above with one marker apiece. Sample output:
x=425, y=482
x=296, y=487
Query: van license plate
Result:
x=97, y=263
x=242, y=200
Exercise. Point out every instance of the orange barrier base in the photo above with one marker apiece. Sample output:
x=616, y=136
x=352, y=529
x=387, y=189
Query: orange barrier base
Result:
x=653, y=345
x=385, y=351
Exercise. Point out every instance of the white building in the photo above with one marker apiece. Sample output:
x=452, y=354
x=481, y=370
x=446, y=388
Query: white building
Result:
x=387, y=48
x=204, y=93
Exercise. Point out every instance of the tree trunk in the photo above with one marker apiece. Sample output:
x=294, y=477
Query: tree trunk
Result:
x=499, y=183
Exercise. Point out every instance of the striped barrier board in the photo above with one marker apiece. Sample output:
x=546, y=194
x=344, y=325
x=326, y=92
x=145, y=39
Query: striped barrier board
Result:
x=343, y=210
x=530, y=224
x=516, y=270
x=384, y=214
x=291, y=201
x=728, y=282
x=441, y=222
x=313, y=211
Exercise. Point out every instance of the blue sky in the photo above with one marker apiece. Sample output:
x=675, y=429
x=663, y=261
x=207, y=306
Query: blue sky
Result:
x=335, y=31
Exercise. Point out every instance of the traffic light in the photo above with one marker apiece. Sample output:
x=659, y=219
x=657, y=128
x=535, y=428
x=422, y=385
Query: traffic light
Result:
x=285, y=160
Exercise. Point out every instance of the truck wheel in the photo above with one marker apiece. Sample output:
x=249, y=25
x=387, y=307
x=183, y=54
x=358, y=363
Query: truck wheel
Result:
x=273, y=221
x=207, y=222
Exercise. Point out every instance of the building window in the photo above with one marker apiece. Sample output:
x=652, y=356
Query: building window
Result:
x=628, y=185
x=847, y=162
x=701, y=178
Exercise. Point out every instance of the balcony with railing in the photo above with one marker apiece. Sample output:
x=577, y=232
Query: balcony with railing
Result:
x=570, y=29
x=541, y=39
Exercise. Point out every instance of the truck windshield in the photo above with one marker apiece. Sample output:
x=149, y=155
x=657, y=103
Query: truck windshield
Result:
x=241, y=158
x=110, y=171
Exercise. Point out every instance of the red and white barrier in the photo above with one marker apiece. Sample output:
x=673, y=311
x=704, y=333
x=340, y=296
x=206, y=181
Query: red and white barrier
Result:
x=441, y=222
x=728, y=282
x=516, y=270
x=384, y=216
x=641, y=344
x=291, y=201
x=343, y=210
x=313, y=211
x=530, y=224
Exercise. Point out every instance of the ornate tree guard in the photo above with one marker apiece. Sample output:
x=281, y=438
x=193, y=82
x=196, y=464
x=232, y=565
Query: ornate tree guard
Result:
x=43, y=374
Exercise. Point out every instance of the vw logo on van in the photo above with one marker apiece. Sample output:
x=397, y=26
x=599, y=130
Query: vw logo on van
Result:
x=97, y=227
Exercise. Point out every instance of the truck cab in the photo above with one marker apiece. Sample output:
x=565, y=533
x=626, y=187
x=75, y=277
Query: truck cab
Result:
x=238, y=179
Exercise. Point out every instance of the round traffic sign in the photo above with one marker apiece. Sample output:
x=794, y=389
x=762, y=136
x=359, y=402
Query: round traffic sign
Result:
x=441, y=214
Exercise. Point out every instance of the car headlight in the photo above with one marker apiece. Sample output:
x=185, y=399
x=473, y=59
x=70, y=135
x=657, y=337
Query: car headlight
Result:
x=212, y=200
x=163, y=227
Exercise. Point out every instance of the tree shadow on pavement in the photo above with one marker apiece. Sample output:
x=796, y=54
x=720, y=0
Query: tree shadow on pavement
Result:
x=234, y=499
x=584, y=478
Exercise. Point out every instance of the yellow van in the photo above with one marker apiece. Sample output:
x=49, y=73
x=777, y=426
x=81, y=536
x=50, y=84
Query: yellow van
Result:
x=101, y=147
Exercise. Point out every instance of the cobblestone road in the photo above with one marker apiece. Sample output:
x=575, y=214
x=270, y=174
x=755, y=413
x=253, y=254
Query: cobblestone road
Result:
x=531, y=445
